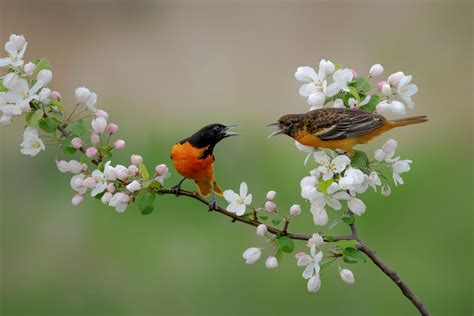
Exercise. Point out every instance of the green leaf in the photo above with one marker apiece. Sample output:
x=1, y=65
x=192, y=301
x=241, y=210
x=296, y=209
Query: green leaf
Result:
x=323, y=265
x=354, y=93
x=370, y=107
x=35, y=118
x=67, y=147
x=57, y=104
x=360, y=160
x=146, y=202
x=276, y=221
x=41, y=63
x=348, y=219
x=2, y=87
x=353, y=254
x=78, y=128
x=346, y=243
x=144, y=171
x=361, y=84
x=279, y=255
x=48, y=124
x=324, y=185
x=328, y=238
x=263, y=217
x=286, y=244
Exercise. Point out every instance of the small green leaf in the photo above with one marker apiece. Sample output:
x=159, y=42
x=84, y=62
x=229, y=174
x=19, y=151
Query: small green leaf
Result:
x=78, y=128
x=276, y=221
x=41, y=63
x=286, y=244
x=349, y=220
x=2, y=87
x=67, y=147
x=346, y=243
x=146, y=202
x=354, y=93
x=263, y=217
x=48, y=124
x=323, y=265
x=360, y=160
x=35, y=118
x=370, y=107
x=144, y=171
x=324, y=185
x=328, y=238
x=361, y=84
x=279, y=255
x=58, y=104
x=353, y=254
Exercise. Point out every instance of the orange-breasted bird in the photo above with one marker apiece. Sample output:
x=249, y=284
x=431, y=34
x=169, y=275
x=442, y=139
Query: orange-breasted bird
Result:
x=193, y=158
x=338, y=128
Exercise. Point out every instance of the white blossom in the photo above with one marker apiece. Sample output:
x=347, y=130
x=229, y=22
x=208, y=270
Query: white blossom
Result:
x=119, y=201
x=405, y=91
x=387, y=151
x=347, y=276
x=271, y=263
x=376, y=70
x=133, y=186
x=307, y=149
x=32, y=144
x=328, y=167
x=341, y=78
x=400, y=166
x=99, y=125
x=15, y=48
x=101, y=183
x=238, y=202
x=85, y=97
x=251, y=255
x=77, y=184
x=262, y=230
x=390, y=107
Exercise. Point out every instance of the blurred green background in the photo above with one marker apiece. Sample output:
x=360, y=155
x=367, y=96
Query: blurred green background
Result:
x=163, y=70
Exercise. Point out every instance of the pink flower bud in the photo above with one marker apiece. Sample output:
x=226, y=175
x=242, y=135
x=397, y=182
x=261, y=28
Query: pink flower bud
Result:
x=161, y=169
x=347, y=276
x=95, y=139
x=134, y=186
x=91, y=152
x=111, y=187
x=89, y=182
x=77, y=199
x=386, y=90
x=112, y=128
x=29, y=68
x=298, y=255
x=295, y=210
x=133, y=170
x=315, y=240
x=102, y=114
x=63, y=166
x=262, y=230
x=99, y=125
x=136, y=160
x=271, y=195
x=270, y=206
x=77, y=143
x=119, y=144
x=271, y=263
x=121, y=172
x=354, y=74
x=380, y=85
x=394, y=78
x=55, y=95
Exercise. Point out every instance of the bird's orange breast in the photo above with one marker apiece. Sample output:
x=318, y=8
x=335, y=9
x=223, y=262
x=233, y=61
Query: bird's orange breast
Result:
x=188, y=162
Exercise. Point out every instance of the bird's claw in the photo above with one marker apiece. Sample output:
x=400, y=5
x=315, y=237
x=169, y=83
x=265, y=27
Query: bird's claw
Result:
x=212, y=205
x=175, y=190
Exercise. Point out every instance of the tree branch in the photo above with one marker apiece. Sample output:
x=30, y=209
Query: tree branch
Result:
x=300, y=236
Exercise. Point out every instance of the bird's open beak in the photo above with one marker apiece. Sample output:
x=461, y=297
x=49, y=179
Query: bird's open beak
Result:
x=227, y=133
x=277, y=131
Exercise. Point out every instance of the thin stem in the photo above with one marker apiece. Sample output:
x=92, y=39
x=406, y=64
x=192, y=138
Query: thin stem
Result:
x=361, y=246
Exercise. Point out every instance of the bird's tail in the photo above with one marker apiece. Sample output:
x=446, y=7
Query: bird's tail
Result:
x=409, y=121
x=205, y=188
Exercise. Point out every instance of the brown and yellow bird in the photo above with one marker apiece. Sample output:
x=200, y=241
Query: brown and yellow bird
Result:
x=338, y=128
x=193, y=158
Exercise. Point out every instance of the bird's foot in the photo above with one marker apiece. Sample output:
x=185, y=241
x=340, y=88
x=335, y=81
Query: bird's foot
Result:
x=212, y=205
x=176, y=189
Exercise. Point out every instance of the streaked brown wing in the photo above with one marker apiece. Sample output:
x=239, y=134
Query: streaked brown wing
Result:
x=346, y=123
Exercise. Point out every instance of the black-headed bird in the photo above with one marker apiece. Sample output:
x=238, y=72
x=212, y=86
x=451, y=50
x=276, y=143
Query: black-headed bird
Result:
x=193, y=158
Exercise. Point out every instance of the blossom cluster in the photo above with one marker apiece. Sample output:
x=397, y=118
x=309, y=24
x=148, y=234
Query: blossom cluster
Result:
x=340, y=87
x=24, y=90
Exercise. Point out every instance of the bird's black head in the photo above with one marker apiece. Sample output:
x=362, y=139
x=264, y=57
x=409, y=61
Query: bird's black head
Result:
x=210, y=135
x=288, y=124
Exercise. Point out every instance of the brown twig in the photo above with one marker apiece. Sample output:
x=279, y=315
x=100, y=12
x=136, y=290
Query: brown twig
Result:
x=361, y=246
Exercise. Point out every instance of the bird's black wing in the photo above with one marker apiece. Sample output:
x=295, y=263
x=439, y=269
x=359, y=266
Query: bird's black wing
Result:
x=349, y=123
